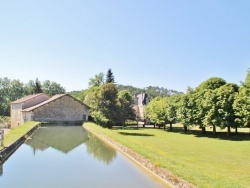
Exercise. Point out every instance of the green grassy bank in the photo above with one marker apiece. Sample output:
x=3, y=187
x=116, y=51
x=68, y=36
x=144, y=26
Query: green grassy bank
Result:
x=18, y=132
x=201, y=160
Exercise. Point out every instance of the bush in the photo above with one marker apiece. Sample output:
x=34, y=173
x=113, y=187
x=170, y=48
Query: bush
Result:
x=5, y=122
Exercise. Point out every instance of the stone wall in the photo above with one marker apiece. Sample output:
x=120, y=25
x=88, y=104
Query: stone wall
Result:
x=62, y=109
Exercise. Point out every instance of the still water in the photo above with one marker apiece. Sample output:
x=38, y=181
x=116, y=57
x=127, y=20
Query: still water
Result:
x=69, y=156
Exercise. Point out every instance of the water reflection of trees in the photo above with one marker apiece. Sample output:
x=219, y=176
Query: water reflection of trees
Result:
x=61, y=138
x=100, y=150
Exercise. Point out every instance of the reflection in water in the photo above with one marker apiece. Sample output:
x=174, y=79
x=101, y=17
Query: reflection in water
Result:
x=100, y=150
x=66, y=138
x=62, y=138
x=81, y=162
x=1, y=169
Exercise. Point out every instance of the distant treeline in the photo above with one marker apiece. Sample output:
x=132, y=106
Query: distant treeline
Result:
x=152, y=91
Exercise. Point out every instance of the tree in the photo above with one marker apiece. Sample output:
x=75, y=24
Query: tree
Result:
x=108, y=103
x=98, y=80
x=37, y=87
x=155, y=111
x=210, y=102
x=10, y=90
x=125, y=104
x=171, y=109
x=110, y=77
x=185, y=112
x=226, y=96
x=52, y=88
x=202, y=108
x=33, y=87
x=242, y=103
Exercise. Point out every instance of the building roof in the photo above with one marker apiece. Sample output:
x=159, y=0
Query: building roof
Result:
x=29, y=97
x=55, y=97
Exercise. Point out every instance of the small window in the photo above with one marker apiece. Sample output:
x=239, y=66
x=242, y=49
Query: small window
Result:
x=84, y=117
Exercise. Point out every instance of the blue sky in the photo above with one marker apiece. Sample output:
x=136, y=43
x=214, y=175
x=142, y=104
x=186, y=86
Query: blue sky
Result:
x=165, y=43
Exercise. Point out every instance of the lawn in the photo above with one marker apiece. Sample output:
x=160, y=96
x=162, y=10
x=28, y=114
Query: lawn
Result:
x=205, y=161
x=18, y=132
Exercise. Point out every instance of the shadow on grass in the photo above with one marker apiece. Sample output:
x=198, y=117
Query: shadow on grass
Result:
x=135, y=134
x=209, y=134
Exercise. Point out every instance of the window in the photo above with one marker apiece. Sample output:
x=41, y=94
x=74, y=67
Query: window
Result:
x=84, y=117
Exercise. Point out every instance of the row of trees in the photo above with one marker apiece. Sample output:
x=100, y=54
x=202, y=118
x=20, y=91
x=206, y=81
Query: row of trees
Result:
x=213, y=103
x=11, y=90
x=108, y=106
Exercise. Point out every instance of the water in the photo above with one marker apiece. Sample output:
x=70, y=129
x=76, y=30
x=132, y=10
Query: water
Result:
x=69, y=156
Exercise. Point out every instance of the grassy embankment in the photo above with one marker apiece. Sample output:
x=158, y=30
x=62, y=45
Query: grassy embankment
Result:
x=205, y=161
x=14, y=134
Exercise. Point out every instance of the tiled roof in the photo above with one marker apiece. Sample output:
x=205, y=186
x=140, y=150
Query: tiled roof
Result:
x=43, y=103
x=24, y=99
x=55, y=97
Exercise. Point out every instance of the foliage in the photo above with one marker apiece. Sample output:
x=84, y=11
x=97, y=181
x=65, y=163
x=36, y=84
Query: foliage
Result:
x=226, y=96
x=5, y=121
x=10, y=90
x=98, y=80
x=156, y=111
x=125, y=105
x=152, y=91
x=110, y=77
x=51, y=88
x=107, y=103
x=185, y=112
x=37, y=88
x=242, y=103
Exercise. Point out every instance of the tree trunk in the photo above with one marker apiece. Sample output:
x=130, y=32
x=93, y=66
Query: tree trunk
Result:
x=236, y=129
x=203, y=130
x=228, y=130
x=214, y=130
x=164, y=126
x=185, y=129
x=154, y=125
x=170, y=126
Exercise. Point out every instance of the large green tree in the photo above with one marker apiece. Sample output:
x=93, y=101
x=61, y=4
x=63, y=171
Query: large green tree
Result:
x=202, y=108
x=242, y=103
x=226, y=97
x=125, y=105
x=156, y=111
x=185, y=112
x=108, y=103
x=171, y=107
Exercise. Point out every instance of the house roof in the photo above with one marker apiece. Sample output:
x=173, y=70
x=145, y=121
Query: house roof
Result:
x=29, y=97
x=55, y=97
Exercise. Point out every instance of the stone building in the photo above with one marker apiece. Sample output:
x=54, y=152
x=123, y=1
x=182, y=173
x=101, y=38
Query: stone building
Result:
x=17, y=106
x=140, y=101
x=61, y=108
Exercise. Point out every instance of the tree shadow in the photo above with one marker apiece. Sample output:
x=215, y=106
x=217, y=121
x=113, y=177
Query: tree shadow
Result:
x=135, y=134
x=209, y=134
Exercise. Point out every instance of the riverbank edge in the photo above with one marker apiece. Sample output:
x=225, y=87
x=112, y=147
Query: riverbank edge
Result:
x=164, y=175
x=9, y=150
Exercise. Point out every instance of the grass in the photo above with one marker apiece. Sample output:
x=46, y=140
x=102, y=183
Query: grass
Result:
x=18, y=132
x=205, y=161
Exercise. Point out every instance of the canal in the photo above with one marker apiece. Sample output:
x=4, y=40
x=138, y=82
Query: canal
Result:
x=69, y=156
